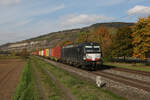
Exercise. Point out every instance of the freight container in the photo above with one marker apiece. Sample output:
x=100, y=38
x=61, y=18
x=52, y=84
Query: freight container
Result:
x=44, y=52
x=33, y=53
x=40, y=52
x=57, y=52
x=37, y=53
x=50, y=52
x=47, y=52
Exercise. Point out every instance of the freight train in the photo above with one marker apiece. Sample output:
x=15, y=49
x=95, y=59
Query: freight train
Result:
x=86, y=55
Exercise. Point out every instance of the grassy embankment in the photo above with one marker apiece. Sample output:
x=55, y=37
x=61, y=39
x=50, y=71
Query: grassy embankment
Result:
x=81, y=88
x=27, y=89
x=137, y=66
x=51, y=91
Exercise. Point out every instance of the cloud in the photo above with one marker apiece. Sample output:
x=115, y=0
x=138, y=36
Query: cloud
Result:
x=83, y=19
x=46, y=10
x=139, y=10
x=24, y=16
x=9, y=2
x=21, y=22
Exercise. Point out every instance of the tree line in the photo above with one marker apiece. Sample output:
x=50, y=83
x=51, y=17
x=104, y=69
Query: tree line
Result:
x=128, y=41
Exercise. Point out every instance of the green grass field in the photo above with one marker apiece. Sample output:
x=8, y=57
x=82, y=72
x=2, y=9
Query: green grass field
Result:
x=138, y=66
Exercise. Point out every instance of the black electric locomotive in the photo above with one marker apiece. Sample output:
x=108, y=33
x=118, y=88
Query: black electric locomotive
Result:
x=87, y=55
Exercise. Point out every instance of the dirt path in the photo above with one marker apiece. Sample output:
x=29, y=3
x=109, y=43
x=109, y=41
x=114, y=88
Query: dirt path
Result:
x=10, y=74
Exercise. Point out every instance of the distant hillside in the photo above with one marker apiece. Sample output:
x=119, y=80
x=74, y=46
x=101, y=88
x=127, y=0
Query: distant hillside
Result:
x=74, y=33
x=52, y=39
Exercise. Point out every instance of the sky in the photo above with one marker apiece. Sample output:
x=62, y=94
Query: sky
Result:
x=23, y=19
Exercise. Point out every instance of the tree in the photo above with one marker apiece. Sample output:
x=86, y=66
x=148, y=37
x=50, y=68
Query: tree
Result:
x=141, y=38
x=122, y=43
x=84, y=37
x=102, y=36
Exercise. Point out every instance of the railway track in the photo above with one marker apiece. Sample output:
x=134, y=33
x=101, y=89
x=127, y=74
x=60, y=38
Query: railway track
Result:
x=132, y=71
x=128, y=81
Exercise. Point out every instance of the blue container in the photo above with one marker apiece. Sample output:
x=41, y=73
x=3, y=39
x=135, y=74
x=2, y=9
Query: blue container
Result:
x=50, y=52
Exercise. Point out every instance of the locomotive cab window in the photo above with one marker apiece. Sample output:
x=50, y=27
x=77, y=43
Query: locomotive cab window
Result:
x=92, y=49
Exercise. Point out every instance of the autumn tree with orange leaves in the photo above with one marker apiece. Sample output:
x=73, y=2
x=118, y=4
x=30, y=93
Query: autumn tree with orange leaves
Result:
x=141, y=38
x=103, y=36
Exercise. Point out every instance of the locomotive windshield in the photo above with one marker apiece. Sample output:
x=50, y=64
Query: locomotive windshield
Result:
x=92, y=49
